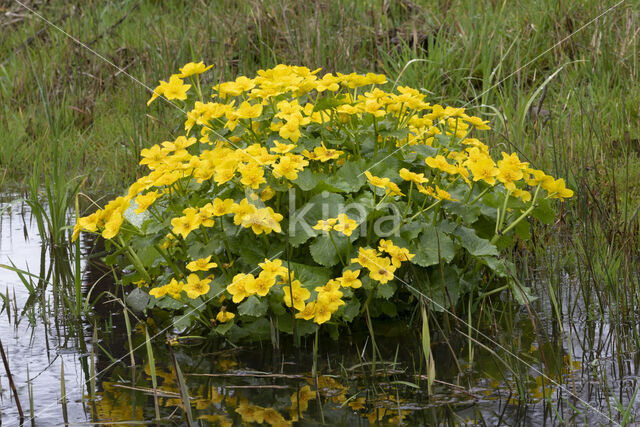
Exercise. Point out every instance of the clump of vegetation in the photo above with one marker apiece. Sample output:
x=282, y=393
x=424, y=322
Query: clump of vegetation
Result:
x=294, y=198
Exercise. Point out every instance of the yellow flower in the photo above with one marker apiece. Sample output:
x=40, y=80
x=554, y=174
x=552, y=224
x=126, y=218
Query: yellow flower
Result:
x=539, y=177
x=153, y=157
x=345, y=225
x=241, y=210
x=439, y=162
x=556, y=189
x=399, y=255
x=322, y=312
x=376, y=181
x=267, y=194
x=222, y=207
x=263, y=220
x=173, y=288
x=299, y=294
x=291, y=130
x=393, y=189
x=193, y=68
x=412, y=177
x=483, y=169
x=158, y=292
x=477, y=122
x=224, y=316
x=87, y=223
x=350, y=279
x=201, y=264
x=112, y=225
x=252, y=175
x=443, y=195
x=325, y=224
x=196, y=287
x=288, y=166
x=366, y=257
x=282, y=148
x=524, y=195
x=331, y=298
x=238, y=287
x=262, y=284
x=381, y=270
x=174, y=89
x=308, y=312
x=323, y=153
x=248, y=111
x=145, y=200
x=185, y=224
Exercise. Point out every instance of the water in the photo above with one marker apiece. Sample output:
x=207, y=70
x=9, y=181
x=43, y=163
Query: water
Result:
x=590, y=373
x=36, y=350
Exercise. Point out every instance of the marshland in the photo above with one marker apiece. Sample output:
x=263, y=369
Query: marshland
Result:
x=328, y=212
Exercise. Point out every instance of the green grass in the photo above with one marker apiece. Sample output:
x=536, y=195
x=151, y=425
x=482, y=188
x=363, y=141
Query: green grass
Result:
x=58, y=95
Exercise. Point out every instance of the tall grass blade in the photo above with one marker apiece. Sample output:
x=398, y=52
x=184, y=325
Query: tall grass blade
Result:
x=152, y=370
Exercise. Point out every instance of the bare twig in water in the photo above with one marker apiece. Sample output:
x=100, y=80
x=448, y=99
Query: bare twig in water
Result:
x=11, y=383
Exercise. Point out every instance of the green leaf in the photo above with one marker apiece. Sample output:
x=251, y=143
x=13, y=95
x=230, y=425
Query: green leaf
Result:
x=469, y=214
x=184, y=321
x=197, y=250
x=310, y=276
x=349, y=178
x=169, y=303
x=253, y=306
x=411, y=231
x=386, y=290
x=350, y=310
x=137, y=300
x=324, y=252
x=475, y=245
x=522, y=293
x=249, y=248
x=223, y=328
x=308, y=180
x=432, y=246
x=496, y=265
x=446, y=287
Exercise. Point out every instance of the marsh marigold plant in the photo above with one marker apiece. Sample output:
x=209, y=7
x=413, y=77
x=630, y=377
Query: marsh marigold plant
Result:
x=300, y=198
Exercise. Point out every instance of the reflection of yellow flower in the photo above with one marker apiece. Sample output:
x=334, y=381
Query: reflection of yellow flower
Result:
x=219, y=420
x=250, y=413
x=358, y=403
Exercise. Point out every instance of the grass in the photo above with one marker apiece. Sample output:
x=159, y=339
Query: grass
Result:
x=560, y=87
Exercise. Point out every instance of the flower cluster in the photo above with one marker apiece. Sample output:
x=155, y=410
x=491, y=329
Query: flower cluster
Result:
x=268, y=167
x=342, y=223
